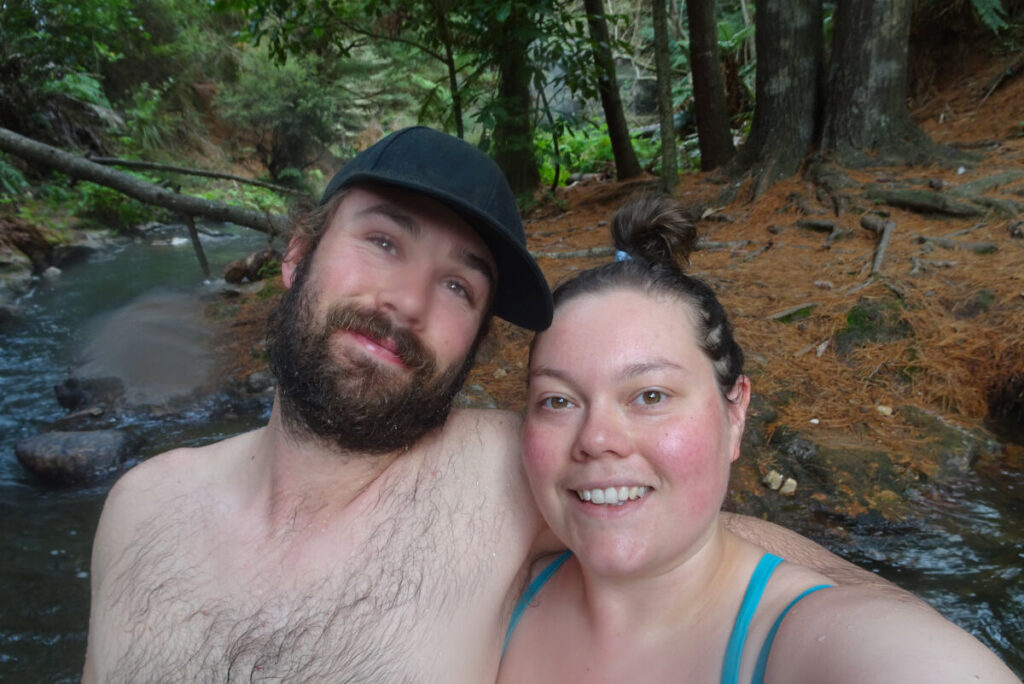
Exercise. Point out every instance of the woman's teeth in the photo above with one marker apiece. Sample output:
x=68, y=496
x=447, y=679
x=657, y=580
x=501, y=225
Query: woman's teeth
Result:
x=612, y=496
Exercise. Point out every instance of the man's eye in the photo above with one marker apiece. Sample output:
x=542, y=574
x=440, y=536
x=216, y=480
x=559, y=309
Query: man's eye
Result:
x=556, y=403
x=650, y=397
x=384, y=243
x=459, y=289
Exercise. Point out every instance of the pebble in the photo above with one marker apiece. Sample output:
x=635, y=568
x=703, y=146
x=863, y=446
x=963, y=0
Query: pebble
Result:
x=773, y=480
x=788, y=487
x=884, y=410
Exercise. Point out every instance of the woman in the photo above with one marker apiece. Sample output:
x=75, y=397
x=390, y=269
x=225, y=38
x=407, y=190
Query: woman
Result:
x=636, y=409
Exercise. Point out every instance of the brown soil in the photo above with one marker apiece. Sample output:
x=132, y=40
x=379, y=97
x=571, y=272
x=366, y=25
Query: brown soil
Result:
x=965, y=309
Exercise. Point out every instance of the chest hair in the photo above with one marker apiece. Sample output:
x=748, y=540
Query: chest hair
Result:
x=401, y=576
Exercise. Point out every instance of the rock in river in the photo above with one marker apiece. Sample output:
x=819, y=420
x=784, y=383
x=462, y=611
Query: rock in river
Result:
x=73, y=457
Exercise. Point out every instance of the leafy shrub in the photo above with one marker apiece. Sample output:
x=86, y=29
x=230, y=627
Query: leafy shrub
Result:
x=12, y=182
x=286, y=113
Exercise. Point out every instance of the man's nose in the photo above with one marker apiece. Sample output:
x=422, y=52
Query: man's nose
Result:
x=604, y=432
x=406, y=295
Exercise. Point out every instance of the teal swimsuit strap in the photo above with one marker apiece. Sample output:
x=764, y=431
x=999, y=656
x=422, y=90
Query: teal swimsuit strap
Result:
x=531, y=591
x=755, y=588
x=762, y=658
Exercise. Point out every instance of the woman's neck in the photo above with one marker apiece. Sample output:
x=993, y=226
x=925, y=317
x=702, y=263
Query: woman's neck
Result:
x=668, y=600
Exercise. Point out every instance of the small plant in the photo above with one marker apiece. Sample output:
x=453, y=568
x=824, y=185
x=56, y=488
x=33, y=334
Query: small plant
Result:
x=12, y=182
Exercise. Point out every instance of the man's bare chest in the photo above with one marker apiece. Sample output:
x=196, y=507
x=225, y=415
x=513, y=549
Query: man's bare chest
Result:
x=373, y=600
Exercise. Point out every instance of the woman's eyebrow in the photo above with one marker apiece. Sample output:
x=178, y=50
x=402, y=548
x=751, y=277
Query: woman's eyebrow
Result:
x=635, y=369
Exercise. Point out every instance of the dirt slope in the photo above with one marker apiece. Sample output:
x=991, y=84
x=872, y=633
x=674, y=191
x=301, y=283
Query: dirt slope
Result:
x=931, y=338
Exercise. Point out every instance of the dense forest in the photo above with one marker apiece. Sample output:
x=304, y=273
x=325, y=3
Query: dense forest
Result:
x=284, y=89
x=856, y=168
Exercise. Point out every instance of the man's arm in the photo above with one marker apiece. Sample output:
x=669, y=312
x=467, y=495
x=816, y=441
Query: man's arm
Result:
x=800, y=550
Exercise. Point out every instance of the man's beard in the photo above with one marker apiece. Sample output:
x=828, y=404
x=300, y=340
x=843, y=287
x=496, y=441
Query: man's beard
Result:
x=355, y=403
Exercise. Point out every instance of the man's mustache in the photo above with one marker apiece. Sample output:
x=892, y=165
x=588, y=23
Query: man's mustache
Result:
x=379, y=327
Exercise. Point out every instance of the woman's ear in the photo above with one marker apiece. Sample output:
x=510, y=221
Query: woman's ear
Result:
x=292, y=258
x=738, y=400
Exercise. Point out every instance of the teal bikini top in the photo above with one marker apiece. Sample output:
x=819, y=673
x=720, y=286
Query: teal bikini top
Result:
x=737, y=639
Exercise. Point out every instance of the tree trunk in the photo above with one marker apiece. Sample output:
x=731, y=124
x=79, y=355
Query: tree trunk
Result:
x=626, y=164
x=441, y=16
x=513, y=129
x=669, y=153
x=866, y=109
x=713, y=132
x=788, y=41
x=83, y=169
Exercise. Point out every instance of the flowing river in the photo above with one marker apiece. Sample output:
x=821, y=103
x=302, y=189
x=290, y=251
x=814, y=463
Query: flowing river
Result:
x=965, y=555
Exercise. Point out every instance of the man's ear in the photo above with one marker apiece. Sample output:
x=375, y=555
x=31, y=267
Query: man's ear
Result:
x=292, y=258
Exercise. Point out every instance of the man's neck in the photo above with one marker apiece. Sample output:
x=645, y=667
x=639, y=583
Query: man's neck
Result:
x=301, y=480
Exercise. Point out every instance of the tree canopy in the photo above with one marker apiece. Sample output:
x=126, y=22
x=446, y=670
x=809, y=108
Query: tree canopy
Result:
x=548, y=87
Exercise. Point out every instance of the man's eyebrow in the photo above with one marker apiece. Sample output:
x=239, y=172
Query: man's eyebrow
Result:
x=478, y=263
x=390, y=211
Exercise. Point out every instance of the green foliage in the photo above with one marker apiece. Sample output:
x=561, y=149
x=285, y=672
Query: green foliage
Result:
x=285, y=113
x=53, y=49
x=12, y=182
x=992, y=14
x=78, y=86
x=262, y=199
x=589, y=150
x=107, y=208
x=269, y=269
x=148, y=127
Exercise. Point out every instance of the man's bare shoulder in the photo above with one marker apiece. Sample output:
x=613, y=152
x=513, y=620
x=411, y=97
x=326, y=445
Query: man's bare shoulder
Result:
x=800, y=550
x=486, y=419
x=149, y=487
x=169, y=473
x=490, y=434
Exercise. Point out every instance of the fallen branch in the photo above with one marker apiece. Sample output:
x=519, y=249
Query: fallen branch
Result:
x=758, y=252
x=923, y=201
x=922, y=264
x=170, y=168
x=576, y=253
x=981, y=185
x=965, y=231
x=1014, y=69
x=83, y=169
x=606, y=251
x=946, y=243
x=793, y=310
x=883, y=244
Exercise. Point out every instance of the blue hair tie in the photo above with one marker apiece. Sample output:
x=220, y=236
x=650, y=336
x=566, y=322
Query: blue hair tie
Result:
x=622, y=256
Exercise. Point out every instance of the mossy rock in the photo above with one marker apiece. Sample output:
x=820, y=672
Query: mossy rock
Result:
x=873, y=321
x=951, y=448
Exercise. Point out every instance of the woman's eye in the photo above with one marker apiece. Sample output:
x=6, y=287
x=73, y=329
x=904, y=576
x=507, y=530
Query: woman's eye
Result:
x=556, y=403
x=651, y=397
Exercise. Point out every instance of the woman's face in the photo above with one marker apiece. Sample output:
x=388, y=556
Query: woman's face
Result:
x=628, y=439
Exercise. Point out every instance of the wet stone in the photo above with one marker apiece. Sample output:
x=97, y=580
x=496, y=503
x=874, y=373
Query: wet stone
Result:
x=74, y=457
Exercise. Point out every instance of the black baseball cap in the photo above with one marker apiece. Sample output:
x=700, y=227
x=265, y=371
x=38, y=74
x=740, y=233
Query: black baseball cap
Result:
x=468, y=182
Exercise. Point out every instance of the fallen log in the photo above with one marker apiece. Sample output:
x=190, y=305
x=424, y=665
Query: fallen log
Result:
x=923, y=201
x=83, y=169
x=186, y=171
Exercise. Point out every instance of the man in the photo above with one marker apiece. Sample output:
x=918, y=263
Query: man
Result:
x=364, y=534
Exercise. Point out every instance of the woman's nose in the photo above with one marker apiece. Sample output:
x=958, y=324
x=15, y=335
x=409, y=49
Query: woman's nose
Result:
x=603, y=434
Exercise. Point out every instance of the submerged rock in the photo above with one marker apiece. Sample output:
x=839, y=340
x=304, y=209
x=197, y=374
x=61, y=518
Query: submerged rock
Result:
x=74, y=457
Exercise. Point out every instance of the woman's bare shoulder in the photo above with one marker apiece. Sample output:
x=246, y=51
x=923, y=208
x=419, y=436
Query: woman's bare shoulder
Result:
x=857, y=633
